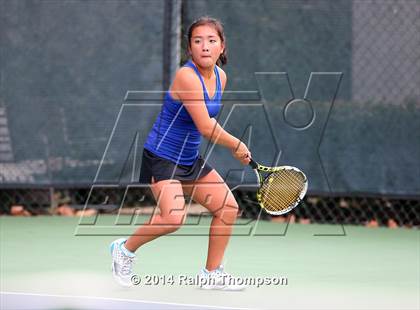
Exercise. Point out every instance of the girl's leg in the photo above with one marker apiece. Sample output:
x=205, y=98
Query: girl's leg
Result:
x=170, y=200
x=212, y=192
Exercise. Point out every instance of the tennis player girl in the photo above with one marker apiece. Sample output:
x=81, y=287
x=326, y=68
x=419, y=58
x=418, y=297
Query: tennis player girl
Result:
x=171, y=162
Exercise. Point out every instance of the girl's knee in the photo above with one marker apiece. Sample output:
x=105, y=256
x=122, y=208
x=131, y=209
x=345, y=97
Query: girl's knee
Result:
x=229, y=212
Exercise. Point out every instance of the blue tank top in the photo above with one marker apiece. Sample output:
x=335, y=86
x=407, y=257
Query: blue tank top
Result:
x=174, y=135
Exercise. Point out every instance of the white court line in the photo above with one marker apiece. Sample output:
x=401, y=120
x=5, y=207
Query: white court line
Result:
x=119, y=300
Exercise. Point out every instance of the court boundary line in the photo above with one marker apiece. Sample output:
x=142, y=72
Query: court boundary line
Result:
x=118, y=299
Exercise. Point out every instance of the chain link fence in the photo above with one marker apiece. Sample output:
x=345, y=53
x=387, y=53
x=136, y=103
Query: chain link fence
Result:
x=346, y=210
x=385, y=54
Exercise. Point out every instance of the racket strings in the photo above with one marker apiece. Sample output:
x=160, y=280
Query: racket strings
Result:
x=279, y=198
x=281, y=189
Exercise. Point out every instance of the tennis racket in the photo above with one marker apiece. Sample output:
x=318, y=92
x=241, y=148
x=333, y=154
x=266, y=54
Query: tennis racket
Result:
x=281, y=189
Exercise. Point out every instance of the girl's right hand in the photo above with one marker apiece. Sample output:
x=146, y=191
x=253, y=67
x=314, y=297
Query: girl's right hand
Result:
x=242, y=154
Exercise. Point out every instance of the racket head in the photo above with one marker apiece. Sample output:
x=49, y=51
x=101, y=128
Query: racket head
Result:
x=282, y=189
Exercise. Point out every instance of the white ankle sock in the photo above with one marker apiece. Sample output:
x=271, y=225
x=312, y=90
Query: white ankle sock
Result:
x=127, y=252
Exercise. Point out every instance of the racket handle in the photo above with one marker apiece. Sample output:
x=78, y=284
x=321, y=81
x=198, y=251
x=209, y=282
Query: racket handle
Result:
x=253, y=164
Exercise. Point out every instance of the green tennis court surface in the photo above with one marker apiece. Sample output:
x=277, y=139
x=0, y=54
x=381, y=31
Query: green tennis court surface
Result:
x=44, y=265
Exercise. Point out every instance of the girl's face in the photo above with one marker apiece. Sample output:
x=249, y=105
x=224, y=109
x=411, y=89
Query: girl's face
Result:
x=205, y=46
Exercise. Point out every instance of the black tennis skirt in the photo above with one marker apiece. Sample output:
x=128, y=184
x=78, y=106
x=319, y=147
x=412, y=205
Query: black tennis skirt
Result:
x=164, y=169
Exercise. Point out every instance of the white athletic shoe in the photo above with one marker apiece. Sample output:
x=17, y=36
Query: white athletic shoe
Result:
x=122, y=263
x=218, y=279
